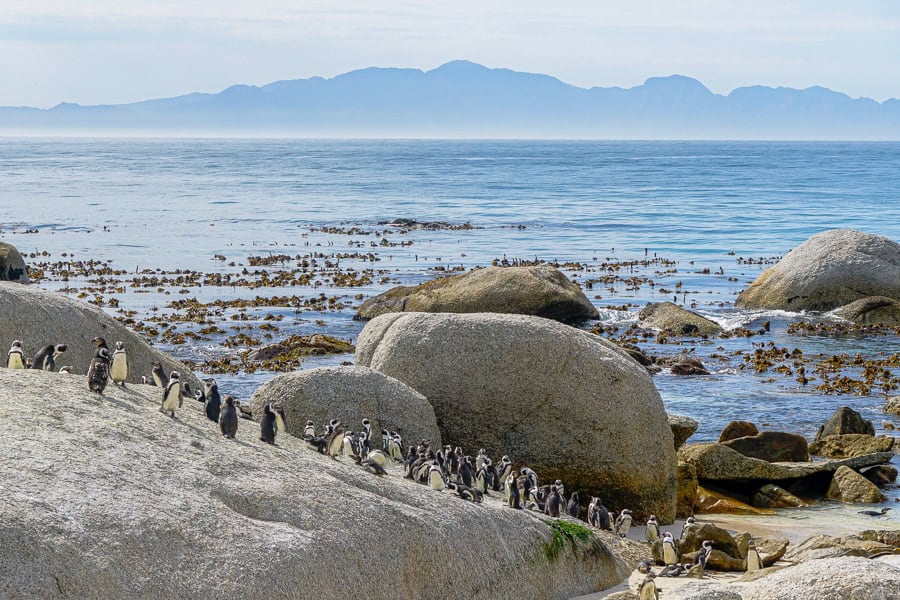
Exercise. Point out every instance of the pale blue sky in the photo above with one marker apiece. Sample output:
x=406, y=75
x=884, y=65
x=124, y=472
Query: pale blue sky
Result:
x=111, y=51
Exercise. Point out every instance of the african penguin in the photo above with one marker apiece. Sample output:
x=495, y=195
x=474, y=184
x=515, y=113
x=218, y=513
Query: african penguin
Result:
x=504, y=470
x=334, y=441
x=703, y=554
x=553, y=502
x=228, y=418
x=98, y=371
x=309, y=429
x=670, y=551
x=652, y=529
x=280, y=419
x=66, y=369
x=213, y=401
x=370, y=465
x=435, y=478
x=377, y=456
x=158, y=374
x=623, y=523
x=598, y=515
x=647, y=590
x=171, y=396
x=15, y=359
x=100, y=343
x=267, y=425
x=395, y=447
x=689, y=522
x=45, y=359
x=754, y=562
x=573, y=507
x=118, y=371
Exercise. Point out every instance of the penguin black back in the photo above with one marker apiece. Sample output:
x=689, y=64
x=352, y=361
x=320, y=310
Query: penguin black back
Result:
x=267, y=425
x=213, y=400
x=98, y=372
x=228, y=420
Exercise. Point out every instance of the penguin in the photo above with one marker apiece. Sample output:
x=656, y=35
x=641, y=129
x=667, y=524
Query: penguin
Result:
x=147, y=381
x=171, y=396
x=385, y=440
x=480, y=458
x=365, y=445
x=158, y=374
x=481, y=479
x=703, y=554
x=465, y=476
x=309, y=430
x=435, y=478
x=118, y=371
x=213, y=401
x=66, y=370
x=670, y=551
x=598, y=515
x=377, y=456
x=280, y=419
x=531, y=475
x=754, y=561
x=644, y=567
x=523, y=482
x=652, y=529
x=15, y=359
x=228, y=419
x=504, y=470
x=267, y=425
x=348, y=445
x=647, y=590
x=370, y=465
x=673, y=570
x=395, y=447
x=512, y=491
x=334, y=441
x=100, y=343
x=45, y=359
x=98, y=371
x=623, y=523
x=561, y=489
x=552, y=503
x=573, y=507
x=688, y=523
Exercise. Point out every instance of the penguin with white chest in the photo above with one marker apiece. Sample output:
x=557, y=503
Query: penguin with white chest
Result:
x=15, y=358
x=623, y=523
x=652, y=529
x=118, y=370
x=670, y=551
x=45, y=359
x=171, y=397
x=647, y=590
x=436, y=478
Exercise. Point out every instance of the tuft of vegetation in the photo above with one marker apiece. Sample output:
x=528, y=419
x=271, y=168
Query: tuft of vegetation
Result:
x=565, y=531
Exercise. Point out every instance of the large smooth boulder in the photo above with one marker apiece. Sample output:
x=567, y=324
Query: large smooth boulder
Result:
x=844, y=421
x=40, y=317
x=772, y=446
x=701, y=532
x=851, y=444
x=560, y=400
x=737, y=429
x=540, y=291
x=673, y=319
x=717, y=462
x=108, y=498
x=12, y=266
x=830, y=269
x=682, y=428
x=872, y=310
x=350, y=394
x=849, y=486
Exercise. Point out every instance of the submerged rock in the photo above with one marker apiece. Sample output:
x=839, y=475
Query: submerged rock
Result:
x=12, y=266
x=108, y=498
x=872, y=310
x=737, y=429
x=558, y=399
x=772, y=446
x=682, y=428
x=850, y=445
x=849, y=486
x=892, y=405
x=674, y=320
x=830, y=269
x=43, y=317
x=845, y=420
x=540, y=291
x=350, y=394
x=298, y=346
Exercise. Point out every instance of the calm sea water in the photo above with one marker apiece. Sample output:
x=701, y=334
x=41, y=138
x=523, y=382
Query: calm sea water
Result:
x=177, y=203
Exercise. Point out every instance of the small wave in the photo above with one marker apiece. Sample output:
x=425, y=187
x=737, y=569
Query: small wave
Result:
x=733, y=320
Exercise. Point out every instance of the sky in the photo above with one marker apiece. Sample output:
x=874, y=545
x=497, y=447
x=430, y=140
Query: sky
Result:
x=117, y=51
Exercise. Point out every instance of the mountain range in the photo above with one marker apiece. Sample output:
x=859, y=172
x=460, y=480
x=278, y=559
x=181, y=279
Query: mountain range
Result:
x=462, y=99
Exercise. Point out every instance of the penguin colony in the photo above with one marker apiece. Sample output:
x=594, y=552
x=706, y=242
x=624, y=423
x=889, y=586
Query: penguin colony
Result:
x=447, y=468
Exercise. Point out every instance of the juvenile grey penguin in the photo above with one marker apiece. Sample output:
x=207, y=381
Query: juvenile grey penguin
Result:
x=670, y=551
x=553, y=502
x=228, y=419
x=213, y=401
x=573, y=507
x=45, y=359
x=267, y=425
x=98, y=371
x=171, y=396
x=436, y=478
x=623, y=523
x=652, y=529
x=15, y=358
x=100, y=343
x=158, y=374
x=118, y=371
x=648, y=590
x=754, y=561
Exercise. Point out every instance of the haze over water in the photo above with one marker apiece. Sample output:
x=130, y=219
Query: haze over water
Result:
x=176, y=203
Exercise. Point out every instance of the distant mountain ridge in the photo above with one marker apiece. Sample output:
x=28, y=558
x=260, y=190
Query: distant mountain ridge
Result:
x=465, y=99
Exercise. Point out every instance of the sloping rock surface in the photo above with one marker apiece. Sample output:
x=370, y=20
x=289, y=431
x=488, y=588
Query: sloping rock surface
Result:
x=108, y=498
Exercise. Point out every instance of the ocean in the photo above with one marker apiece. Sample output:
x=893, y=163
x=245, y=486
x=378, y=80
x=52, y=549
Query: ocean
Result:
x=704, y=207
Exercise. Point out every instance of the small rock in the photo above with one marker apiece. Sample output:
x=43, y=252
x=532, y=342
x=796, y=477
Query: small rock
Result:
x=12, y=266
x=712, y=502
x=772, y=446
x=849, y=486
x=850, y=445
x=717, y=561
x=720, y=538
x=688, y=366
x=743, y=544
x=674, y=320
x=737, y=429
x=682, y=428
x=771, y=550
x=892, y=406
x=825, y=546
x=845, y=420
x=872, y=310
x=881, y=475
x=772, y=496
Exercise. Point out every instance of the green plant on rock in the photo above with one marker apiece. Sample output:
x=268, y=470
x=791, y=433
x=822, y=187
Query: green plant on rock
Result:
x=565, y=531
